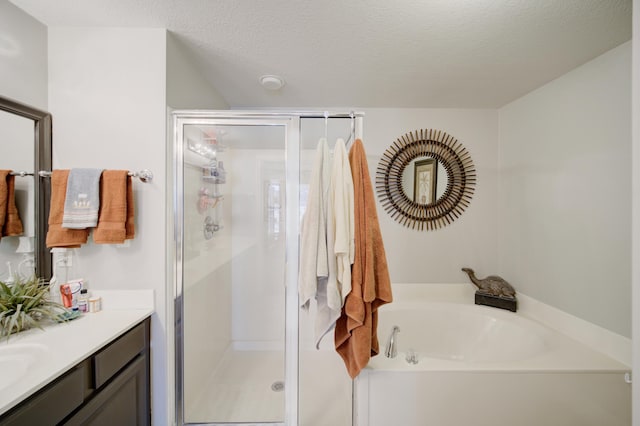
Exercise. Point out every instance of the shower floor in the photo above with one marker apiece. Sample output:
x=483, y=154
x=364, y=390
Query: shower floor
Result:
x=240, y=390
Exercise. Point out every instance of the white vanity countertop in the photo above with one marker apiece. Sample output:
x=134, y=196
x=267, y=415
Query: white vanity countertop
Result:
x=65, y=345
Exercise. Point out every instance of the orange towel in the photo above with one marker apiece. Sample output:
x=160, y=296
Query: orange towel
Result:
x=129, y=226
x=115, y=219
x=10, y=223
x=57, y=236
x=356, y=337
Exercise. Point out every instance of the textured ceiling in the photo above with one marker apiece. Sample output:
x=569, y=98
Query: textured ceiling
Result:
x=370, y=53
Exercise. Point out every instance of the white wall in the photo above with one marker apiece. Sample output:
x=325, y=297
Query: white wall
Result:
x=187, y=88
x=471, y=240
x=565, y=199
x=23, y=57
x=107, y=94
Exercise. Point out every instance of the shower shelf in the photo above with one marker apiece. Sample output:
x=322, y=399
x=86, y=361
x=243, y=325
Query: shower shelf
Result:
x=212, y=179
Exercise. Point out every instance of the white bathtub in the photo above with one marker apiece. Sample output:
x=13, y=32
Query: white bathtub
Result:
x=484, y=366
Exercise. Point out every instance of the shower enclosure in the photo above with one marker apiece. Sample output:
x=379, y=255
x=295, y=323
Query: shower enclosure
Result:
x=244, y=352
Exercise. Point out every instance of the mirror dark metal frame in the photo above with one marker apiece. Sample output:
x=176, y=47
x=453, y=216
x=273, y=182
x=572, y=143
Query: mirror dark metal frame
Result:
x=42, y=161
x=455, y=159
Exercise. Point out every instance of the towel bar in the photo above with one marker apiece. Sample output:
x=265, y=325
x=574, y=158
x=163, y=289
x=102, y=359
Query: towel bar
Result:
x=21, y=173
x=144, y=175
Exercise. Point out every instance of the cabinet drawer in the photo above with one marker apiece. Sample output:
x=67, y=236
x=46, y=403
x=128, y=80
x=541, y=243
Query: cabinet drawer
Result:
x=123, y=402
x=54, y=402
x=119, y=353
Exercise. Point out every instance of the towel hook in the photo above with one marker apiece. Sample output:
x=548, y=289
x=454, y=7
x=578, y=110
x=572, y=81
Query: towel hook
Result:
x=353, y=124
x=352, y=135
x=326, y=124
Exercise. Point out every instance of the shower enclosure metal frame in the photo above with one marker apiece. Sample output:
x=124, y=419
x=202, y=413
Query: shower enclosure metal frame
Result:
x=291, y=123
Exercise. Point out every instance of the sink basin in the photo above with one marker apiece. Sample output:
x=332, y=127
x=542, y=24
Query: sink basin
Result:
x=16, y=359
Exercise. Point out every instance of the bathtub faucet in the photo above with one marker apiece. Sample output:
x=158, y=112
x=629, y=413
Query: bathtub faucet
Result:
x=392, y=346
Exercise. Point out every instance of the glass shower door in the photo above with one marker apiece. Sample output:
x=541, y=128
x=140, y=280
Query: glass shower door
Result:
x=237, y=299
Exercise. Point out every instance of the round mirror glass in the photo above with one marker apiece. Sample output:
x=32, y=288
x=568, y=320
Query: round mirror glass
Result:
x=424, y=180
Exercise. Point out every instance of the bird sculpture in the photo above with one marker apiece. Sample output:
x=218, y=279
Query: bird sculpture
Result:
x=492, y=285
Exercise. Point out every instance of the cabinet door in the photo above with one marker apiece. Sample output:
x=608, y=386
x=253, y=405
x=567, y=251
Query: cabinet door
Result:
x=122, y=402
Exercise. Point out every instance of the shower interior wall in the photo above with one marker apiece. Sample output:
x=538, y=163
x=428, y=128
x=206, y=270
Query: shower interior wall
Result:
x=234, y=282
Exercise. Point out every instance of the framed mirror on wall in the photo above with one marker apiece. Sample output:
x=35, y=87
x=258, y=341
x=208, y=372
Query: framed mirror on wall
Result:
x=425, y=179
x=25, y=149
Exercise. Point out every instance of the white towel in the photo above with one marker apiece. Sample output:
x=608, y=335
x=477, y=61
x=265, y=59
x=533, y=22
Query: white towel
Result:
x=313, y=238
x=340, y=228
x=340, y=243
x=82, y=200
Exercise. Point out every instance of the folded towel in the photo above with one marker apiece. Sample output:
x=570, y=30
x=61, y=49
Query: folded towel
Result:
x=112, y=217
x=356, y=338
x=82, y=199
x=4, y=193
x=57, y=236
x=10, y=223
x=129, y=225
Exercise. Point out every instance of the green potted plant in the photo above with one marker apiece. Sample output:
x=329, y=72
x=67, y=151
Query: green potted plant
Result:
x=24, y=303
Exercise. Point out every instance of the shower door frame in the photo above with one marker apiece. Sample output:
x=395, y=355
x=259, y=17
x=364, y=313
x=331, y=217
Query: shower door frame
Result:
x=291, y=124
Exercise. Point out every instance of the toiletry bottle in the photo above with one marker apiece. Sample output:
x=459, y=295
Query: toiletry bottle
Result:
x=222, y=173
x=213, y=169
x=83, y=300
x=66, y=295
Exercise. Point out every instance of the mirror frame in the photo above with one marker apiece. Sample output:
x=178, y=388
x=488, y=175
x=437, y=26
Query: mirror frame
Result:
x=42, y=161
x=461, y=179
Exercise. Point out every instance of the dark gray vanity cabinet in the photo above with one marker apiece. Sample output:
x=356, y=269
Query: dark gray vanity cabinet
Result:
x=111, y=387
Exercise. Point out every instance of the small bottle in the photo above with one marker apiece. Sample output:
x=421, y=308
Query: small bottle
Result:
x=83, y=300
x=213, y=169
x=221, y=173
x=209, y=169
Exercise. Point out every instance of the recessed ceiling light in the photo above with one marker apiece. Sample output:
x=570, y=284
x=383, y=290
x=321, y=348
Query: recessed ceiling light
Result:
x=271, y=82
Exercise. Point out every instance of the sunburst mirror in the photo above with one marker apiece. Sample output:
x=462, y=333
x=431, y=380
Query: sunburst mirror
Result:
x=425, y=179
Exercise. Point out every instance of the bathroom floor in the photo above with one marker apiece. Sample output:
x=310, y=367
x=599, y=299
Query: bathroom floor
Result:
x=240, y=390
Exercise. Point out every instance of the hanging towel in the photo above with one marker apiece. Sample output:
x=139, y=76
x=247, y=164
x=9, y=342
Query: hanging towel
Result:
x=313, y=238
x=113, y=213
x=129, y=225
x=10, y=223
x=356, y=338
x=82, y=199
x=340, y=228
x=57, y=236
x=340, y=243
x=4, y=196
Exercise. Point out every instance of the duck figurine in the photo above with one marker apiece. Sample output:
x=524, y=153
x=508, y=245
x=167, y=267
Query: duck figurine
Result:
x=492, y=285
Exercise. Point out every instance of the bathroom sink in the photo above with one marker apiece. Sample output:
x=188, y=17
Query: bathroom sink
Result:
x=16, y=359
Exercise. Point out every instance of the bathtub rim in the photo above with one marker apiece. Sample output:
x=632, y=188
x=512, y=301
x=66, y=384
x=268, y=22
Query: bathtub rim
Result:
x=603, y=350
